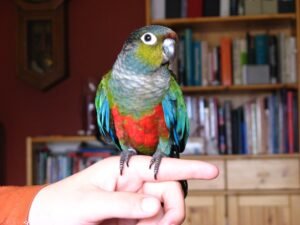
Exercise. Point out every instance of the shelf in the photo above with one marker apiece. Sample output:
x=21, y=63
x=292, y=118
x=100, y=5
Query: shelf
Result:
x=245, y=88
x=228, y=19
x=42, y=139
x=239, y=157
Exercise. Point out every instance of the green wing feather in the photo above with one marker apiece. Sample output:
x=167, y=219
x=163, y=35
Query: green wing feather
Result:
x=104, y=118
x=176, y=115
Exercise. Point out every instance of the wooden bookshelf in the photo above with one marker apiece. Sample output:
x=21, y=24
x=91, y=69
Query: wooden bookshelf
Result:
x=228, y=19
x=232, y=88
x=33, y=142
x=249, y=187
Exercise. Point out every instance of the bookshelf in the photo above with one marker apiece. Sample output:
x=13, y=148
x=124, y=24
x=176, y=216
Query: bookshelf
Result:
x=252, y=188
x=51, y=158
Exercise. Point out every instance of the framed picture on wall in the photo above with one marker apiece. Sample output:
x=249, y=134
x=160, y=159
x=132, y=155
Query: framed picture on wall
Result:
x=41, y=43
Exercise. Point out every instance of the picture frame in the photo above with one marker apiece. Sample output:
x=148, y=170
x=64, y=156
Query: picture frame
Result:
x=41, y=43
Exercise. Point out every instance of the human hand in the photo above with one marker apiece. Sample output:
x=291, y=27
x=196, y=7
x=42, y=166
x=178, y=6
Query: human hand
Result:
x=99, y=195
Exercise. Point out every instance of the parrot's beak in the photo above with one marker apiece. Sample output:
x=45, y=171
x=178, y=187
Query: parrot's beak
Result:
x=168, y=49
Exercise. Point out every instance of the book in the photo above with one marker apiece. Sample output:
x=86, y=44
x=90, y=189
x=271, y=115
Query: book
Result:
x=261, y=49
x=281, y=37
x=221, y=131
x=290, y=60
x=228, y=125
x=290, y=126
x=256, y=74
x=295, y=121
x=234, y=7
x=226, y=62
x=213, y=123
x=235, y=132
x=261, y=124
x=236, y=61
x=281, y=117
x=224, y=8
x=273, y=59
x=158, y=9
x=269, y=6
x=248, y=124
x=250, y=49
x=253, y=108
x=188, y=46
x=215, y=67
x=253, y=7
x=197, y=63
x=181, y=61
x=286, y=6
x=195, y=8
x=184, y=9
x=204, y=63
x=173, y=8
x=211, y=7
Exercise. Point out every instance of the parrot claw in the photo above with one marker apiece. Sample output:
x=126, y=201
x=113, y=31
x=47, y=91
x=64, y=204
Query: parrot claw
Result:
x=184, y=186
x=125, y=157
x=156, y=160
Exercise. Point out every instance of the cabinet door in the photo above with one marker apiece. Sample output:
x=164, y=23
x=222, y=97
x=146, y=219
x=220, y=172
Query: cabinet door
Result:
x=205, y=210
x=264, y=209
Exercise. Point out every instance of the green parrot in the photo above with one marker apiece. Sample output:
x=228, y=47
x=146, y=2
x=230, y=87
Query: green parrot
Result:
x=139, y=105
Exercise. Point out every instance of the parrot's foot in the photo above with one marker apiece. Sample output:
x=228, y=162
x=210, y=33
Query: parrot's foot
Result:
x=125, y=157
x=156, y=159
x=184, y=186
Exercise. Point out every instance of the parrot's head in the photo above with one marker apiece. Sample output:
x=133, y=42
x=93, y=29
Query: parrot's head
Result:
x=149, y=48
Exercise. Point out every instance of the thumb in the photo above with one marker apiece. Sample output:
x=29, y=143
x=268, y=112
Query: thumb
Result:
x=125, y=205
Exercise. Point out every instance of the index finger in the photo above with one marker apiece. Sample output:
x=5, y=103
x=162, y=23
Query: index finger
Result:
x=170, y=169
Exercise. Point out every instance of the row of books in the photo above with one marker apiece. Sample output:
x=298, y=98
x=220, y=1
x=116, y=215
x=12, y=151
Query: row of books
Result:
x=162, y=9
x=253, y=59
x=53, y=166
x=265, y=125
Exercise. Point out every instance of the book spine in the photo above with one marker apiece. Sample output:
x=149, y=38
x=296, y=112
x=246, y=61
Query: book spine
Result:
x=290, y=129
x=181, y=61
x=254, y=128
x=173, y=8
x=286, y=6
x=189, y=56
x=273, y=59
x=221, y=131
x=204, y=59
x=228, y=121
x=226, y=66
x=197, y=63
x=158, y=9
x=194, y=8
x=247, y=113
x=224, y=8
x=261, y=49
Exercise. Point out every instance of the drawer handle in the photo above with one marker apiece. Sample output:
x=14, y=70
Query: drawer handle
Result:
x=263, y=175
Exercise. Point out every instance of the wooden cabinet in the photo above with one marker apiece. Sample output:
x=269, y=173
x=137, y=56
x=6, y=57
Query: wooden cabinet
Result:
x=263, y=174
x=205, y=210
x=264, y=209
x=250, y=190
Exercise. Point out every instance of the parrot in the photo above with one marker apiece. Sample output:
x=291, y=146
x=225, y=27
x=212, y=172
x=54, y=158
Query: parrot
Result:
x=139, y=105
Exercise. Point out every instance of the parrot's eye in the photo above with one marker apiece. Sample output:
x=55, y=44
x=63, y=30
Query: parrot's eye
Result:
x=149, y=38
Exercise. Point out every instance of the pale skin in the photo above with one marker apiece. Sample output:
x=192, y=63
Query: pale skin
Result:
x=100, y=195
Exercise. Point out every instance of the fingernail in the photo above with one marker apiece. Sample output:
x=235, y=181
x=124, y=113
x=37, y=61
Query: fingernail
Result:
x=149, y=205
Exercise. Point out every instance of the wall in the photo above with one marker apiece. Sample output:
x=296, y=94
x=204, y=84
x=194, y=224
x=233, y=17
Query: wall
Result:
x=97, y=30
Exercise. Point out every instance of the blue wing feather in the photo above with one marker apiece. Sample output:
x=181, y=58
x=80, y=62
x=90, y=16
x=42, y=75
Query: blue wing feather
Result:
x=105, y=123
x=176, y=116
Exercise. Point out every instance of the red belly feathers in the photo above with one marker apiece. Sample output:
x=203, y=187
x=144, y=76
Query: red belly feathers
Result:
x=143, y=133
